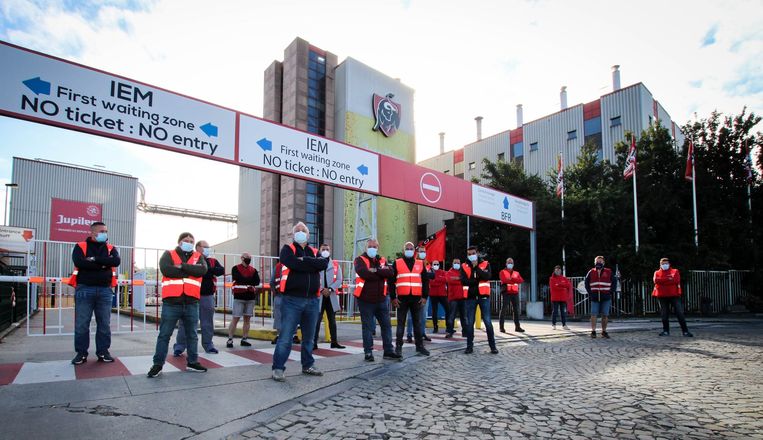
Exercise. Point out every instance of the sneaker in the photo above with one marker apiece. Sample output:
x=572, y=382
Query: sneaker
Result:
x=177, y=353
x=427, y=338
x=565, y=327
x=312, y=371
x=245, y=343
x=448, y=335
x=469, y=350
x=593, y=334
x=553, y=327
x=409, y=340
x=688, y=335
x=79, y=359
x=399, y=350
x=155, y=370
x=278, y=376
x=519, y=329
x=664, y=334
x=422, y=351
x=605, y=335
x=212, y=350
x=196, y=368
x=493, y=351
x=337, y=346
x=502, y=330
x=370, y=357
x=105, y=357
x=229, y=344
x=392, y=357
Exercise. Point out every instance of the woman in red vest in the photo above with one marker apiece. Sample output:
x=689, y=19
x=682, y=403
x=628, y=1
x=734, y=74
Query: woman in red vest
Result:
x=667, y=290
x=561, y=289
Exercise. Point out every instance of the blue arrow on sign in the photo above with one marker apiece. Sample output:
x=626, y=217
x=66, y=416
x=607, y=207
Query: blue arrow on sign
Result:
x=505, y=203
x=265, y=144
x=38, y=86
x=209, y=129
x=363, y=170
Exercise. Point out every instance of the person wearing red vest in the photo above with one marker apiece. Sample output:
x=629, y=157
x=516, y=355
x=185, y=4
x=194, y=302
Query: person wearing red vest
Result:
x=438, y=294
x=455, y=299
x=561, y=290
x=206, y=303
x=331, y=282
x=93, y=279
x=510, y=281
x=600, y=284
x=409, y=289
x=182, y=271
x=245, y=281
x=475, y=278
x=300, y=285
x=372, y=275
x=667, y=290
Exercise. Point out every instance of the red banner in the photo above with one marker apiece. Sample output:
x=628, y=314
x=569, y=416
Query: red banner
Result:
x=435, y=246
x=70, y=220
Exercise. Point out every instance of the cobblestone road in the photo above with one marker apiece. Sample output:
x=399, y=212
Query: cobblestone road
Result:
x=635, y=385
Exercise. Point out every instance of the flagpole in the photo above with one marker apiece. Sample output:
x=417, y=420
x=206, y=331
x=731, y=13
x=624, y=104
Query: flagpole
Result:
x=635, y=208
x=564, y=256
x=694, y=200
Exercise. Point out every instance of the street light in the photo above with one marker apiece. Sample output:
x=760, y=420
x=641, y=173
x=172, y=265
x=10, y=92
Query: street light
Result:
x=8, y=188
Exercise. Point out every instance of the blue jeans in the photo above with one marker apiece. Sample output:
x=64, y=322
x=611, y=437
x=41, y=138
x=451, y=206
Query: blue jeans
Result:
x=171, y=314
x=409, y=324
x=296, y=311
x=559, y=306
x=89, y=299
x=456, y=308
x=601, y=307
x=207, y=318
x=369, y=314
x=471, y=312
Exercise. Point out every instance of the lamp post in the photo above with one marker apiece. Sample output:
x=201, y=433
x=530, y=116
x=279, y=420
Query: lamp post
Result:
x=8, y=188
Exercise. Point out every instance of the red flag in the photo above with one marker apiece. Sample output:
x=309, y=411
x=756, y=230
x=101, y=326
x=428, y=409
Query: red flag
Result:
x=435, y=246
x=630, y=161
x=560, y=177
x=689, y=173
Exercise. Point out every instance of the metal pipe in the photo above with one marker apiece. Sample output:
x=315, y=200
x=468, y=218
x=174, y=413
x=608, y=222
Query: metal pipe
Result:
x=479, y=127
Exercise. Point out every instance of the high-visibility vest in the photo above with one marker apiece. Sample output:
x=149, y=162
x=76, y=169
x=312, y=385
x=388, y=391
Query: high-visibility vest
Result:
x=285, y=271
x=601, y=283
x=242, y=288
x=175, y=287
x=83, y=245
x=408, y=281
x=359, y=282
x=483, y=286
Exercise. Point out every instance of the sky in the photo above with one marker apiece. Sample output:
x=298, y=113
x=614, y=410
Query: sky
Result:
x=462, y=58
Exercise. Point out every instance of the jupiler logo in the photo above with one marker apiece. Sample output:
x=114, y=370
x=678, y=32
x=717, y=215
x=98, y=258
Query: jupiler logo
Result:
x=386, y=114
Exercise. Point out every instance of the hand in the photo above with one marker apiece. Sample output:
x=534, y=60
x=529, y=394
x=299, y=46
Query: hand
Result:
x=178, y=266
x=373, y=269
x=325, y=292
x=90, y=258
x=395, y=303
x=422, y=301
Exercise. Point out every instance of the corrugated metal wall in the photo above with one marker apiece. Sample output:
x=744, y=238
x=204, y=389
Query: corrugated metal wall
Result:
x=633, y=105
x=551, y=134
x=489, y=148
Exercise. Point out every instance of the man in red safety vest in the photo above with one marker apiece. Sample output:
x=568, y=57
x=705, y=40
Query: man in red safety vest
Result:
x=600, y=284
x=94, y=279
x=182, y=271
x=409, y=290
x=475, y=279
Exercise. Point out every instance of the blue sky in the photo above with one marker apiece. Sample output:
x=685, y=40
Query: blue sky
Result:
x=463, y=59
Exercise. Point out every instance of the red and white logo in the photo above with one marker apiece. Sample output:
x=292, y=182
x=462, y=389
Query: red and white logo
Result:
x=386, y=114
x=431, y=188
x=93, y=211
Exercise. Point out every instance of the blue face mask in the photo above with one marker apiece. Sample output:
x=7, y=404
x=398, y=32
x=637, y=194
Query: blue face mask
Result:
x=101, y=237
x=186, y=247
x=207, y=252
x=372, y=252
x=408, y=253
x=300, y=237
x=472, y=258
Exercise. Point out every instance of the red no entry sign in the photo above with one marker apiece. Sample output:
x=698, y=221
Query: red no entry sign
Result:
x=431, y=188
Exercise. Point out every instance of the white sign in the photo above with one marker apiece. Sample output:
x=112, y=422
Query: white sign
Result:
x=283, y=150
x=502, y=207
x=53, y=91
x=13, y=239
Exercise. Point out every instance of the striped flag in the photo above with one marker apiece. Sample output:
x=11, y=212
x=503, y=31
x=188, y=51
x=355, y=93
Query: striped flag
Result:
x=689, y=173
x=630, y=161
x=560, y=177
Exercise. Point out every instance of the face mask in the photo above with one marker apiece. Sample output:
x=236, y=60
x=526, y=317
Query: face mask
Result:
x=372, y=252
x=185, y=246
x=436, y=266
x=422, y=255
x=247, y=260
x=599, y=265
x=472, y=258
x=456, y=266
x=101, y=237
x=325, y=254
x=557, y=272
x=408, y=253
x=665, y=266
x=206, y=251
x=300, y=237
x=509, y=266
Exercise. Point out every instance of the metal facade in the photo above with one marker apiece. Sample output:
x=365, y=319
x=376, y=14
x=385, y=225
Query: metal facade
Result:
x=487, y=148
x=560, y=132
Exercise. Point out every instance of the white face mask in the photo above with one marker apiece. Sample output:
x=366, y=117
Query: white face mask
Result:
x=186, y=247
x=509, y=266
x=665, y=266
x=436, y=266
x=325, y=254
x=472, y=258
x=206, y=251
x=408, y=253
x=422, y=255
x=557, y=272
x=372, y=252
x=456, y=266
x=300, y=237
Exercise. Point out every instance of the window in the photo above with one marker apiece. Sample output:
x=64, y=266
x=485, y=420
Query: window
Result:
x=472, y=165
x=650, y=120
x=501, y=157
x=616, y=121
x=534, y=146
x=518, y=150
x=572, y=135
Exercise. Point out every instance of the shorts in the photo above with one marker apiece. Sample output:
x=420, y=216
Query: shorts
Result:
x=243, y=308
x=601, y=307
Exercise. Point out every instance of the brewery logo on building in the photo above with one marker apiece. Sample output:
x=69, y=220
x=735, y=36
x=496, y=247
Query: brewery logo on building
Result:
x=386, y=114
x=93, y=211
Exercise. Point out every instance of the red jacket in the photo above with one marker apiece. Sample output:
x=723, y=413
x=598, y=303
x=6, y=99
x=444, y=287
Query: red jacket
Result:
x=667, y=283
x=437, y=285
x=560, y=287
x=455, y=289
x=510, y=281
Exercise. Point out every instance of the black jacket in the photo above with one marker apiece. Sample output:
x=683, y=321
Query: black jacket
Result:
x=214, y=269
x=304, y=268
x=424, y=278
x=98, y=271
x=240, y=279
x=477, y=275
x=168, y=269
x=373, y=282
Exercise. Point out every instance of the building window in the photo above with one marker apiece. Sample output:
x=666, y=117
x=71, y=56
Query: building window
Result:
x=314, y=212
x=534, y=146
x=592, y=131
x=650, y=120
x=572, y=135
x=616, y=121
x=472, y=165
x=501, y=157
x=517, y=150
